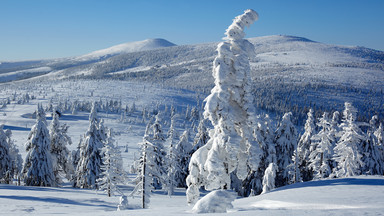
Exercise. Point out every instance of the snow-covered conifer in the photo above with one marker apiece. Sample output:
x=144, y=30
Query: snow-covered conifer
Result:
x=286, y=141
x=145, y=171
x=5, y=157
x=111, y=174
x=230, y=109
x=372, y=155
x=201, y=137
x=37, y=168
x=263, y=134
x=303, y=147
x=61, y=157
x=16, y=159
x=321, y=156
x=197, y=174
x=90, y=161
x=183, y=148
x=348, y=149
x=157, y=139
x=269, y=178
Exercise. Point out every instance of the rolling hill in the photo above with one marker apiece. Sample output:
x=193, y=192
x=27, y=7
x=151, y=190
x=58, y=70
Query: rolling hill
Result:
x=289, y=73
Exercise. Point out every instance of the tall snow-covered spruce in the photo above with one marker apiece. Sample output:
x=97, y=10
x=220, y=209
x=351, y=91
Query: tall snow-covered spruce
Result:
x=229, y=107
x=62, y=164
x=38, y=168
x=89, y=166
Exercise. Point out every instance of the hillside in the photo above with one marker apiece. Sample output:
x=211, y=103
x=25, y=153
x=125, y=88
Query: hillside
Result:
x=289, y=73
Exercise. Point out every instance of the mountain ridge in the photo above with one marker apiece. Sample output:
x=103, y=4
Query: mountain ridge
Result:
x=288, y=72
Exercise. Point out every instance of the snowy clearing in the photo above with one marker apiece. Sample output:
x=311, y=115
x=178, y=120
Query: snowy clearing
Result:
x=362, y=195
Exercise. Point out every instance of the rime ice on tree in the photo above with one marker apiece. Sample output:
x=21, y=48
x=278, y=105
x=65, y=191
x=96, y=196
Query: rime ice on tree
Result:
x=229, y=107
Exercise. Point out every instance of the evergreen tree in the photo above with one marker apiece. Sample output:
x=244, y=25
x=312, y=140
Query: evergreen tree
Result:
x=303, y=147
x=156, y=138
x=379, y=138
x=5, y=157
x=112, y=173
x=16, y=159
x=263, y=134
x=269, y=178
x=201, y=137
x=230, y=109
x=37, y=168
x=146, y=170
x=90, y=161
x=181, y=151
x=61, y=157
x=348, y=149
x=372, y=155
x=172, y=157
x=286, y=141
x=323, y=143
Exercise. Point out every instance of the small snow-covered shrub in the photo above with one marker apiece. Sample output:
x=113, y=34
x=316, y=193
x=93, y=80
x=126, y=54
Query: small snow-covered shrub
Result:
x=217, y=201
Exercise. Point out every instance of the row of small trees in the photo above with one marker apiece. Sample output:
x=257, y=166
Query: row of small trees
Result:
x=95, y=164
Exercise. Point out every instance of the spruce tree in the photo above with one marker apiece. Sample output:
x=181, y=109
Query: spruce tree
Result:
x=5, y=157
x=286, y=142
x=62, y=164
x=90, y=161
x=269, y=178
x=230, y=109
x=38, y=167
x=321, y=156
x=303, y=147
x=348, y=149
x=112, y=173
x=157, y=153
x=145, y=170
x=372, y=155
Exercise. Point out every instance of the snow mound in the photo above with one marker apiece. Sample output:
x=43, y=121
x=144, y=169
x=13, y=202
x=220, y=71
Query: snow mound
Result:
x=217, y=201
x=137, y=46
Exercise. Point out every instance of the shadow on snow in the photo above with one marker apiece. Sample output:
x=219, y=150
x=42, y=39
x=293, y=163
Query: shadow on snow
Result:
x=334, y=182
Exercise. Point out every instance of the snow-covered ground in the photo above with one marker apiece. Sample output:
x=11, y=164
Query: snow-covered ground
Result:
x=362, y=195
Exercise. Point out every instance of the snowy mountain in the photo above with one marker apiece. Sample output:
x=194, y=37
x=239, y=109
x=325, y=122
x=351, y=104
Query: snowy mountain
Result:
x=149, y=44
x=289, y=73
x=132, y=83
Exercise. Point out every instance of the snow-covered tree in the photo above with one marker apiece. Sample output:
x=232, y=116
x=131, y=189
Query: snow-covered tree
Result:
x=61, y=156
x=90, y=161
x=181, y=156
x=269, y=178
x=379, y=137
x=145, y=171
x=16, y=159
x=263, y=134
x=321, y=156
x=303, y=147
x=286, y=141
x=5, y=157
x=157, y=153
x=112, y=174
x=372, y=155
x=197, y=174
x=201, y=137
x=38, y=168
x=348, y=149
x=229, y=107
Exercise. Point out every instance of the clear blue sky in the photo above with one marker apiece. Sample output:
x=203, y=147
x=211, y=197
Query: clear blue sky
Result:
x=38, y=29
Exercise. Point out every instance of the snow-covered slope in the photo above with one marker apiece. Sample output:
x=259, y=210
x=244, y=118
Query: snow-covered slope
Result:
x=289, y=73
x=349, y=196
x=137, y=46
